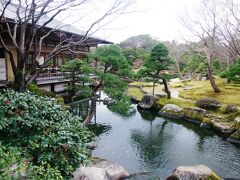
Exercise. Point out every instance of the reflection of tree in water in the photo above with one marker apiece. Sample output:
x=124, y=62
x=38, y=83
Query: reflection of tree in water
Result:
x=147, y=115
x=80, y=108
x=202, y=134
x=86, y=107
x=99, y=128
x=150, y=143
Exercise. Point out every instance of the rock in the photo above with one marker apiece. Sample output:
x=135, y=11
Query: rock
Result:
x=134, y=99
x=198, y=172
x=148, y=101
x=235, y=137
x=199, y=78
x=91, y=145
x=195, y=115
x=171, y=108
x=237, y=122
x=106, y=100
x=231, y=108
x=206, y=123
x=114, y=171
x=208, y=103
x=223, y=127
x=172, y=111
x=90, y=173
x=94, y=84
x=101, y=170
x=131, y=111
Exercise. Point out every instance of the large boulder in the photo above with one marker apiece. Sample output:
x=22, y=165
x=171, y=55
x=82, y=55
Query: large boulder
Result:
x=235, y=137
x=134, y=99
x=168, y=108
x=198, y=172
x=231, y=108
x=237, y=122
x=223, y=127
x=195, y=115
x=107, y=100
x=90, y=173
x=172, y=111
x=101, y=170
x=147, y=101
x=115, y=171
x=208, y=103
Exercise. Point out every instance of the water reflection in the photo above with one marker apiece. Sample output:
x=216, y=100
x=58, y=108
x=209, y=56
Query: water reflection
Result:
x=147, y=115
x=99, y=129
x=150, y=142
x=146, y=142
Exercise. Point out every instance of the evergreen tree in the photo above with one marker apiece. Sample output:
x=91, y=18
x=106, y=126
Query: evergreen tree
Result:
x=156, y=64
x=79, y=75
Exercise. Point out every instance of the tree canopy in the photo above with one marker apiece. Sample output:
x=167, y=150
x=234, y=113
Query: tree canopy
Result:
x=113, y=66
x=156, y=64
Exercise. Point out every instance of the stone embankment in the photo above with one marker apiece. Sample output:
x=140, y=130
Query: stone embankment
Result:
x=204, y=113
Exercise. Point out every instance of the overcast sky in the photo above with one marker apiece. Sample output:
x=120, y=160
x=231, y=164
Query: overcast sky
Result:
x=159, y=18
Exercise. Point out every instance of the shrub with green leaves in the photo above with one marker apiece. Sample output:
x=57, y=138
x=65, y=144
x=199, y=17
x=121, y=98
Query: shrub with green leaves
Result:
x=233, y=74
x=42, y=129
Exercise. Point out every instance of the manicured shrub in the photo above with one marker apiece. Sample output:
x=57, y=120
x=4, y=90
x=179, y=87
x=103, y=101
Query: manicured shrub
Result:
x=233, y=74
x=43, y=130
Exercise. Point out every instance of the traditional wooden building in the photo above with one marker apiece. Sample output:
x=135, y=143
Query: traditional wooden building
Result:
x=50, y=77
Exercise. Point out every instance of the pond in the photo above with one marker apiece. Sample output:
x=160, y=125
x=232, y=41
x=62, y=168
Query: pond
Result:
x=144, y=142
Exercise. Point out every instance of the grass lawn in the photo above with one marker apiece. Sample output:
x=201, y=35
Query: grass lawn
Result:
x=138, y=83
x=191, y=91
x=136, y=92
x=202, y=89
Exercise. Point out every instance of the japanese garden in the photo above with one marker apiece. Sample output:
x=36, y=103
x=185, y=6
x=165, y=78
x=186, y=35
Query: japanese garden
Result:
x=75, y=105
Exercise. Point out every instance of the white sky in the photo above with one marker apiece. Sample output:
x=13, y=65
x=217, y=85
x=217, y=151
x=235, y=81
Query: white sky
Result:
x=159, y=18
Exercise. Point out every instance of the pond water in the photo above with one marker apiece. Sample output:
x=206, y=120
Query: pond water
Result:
x=144, y=142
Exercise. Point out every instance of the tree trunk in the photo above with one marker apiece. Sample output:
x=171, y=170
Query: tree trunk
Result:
x=19, y=81
x=179, y=71
x=19, y=73
x=166, y=88
x=212, y=80
x=91, y=111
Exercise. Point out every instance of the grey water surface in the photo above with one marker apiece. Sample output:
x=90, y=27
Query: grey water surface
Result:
x=144, y=142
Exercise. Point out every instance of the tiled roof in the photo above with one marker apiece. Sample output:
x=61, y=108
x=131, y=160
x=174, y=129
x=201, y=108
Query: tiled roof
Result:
x=10, y=13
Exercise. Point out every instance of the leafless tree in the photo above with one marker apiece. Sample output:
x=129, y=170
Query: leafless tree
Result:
x=203, y=26
x=229, y=29
x=176, y=51
x=25, y=31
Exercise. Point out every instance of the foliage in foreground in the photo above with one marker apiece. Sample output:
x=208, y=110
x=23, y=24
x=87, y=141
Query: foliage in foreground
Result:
x=50, y=138
x=79, y=75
